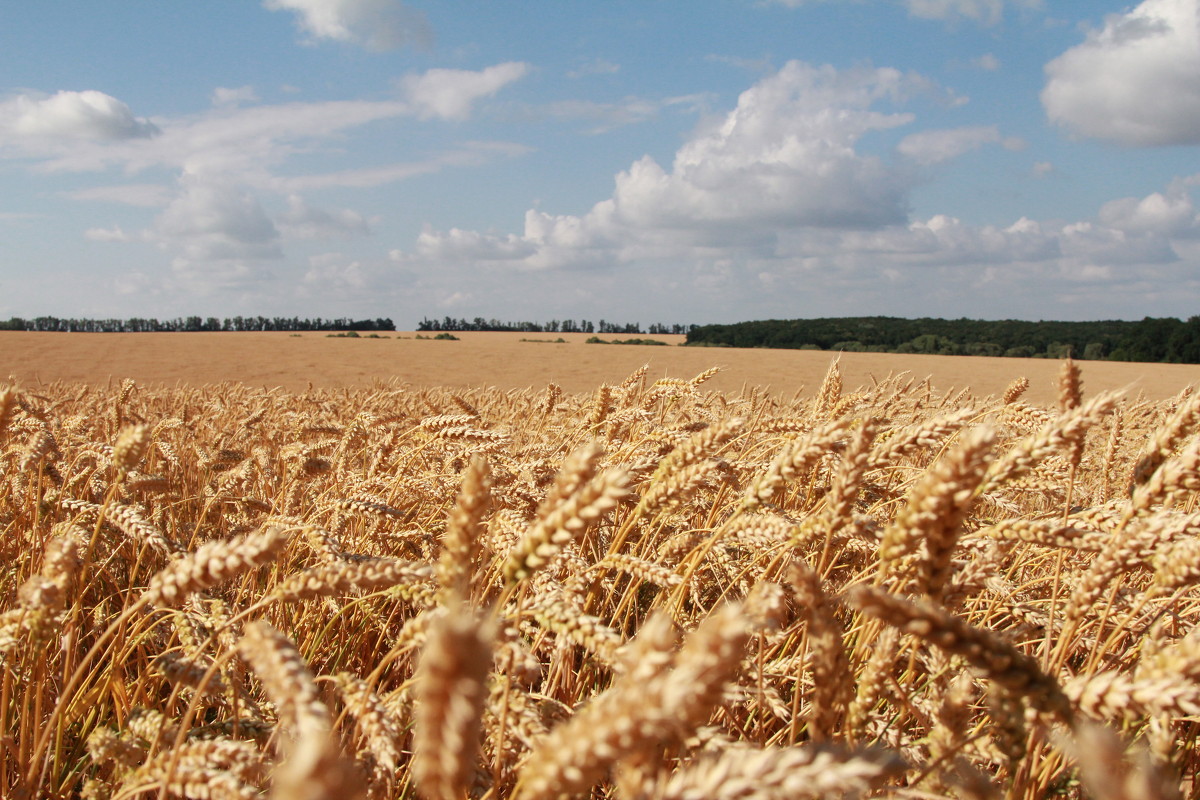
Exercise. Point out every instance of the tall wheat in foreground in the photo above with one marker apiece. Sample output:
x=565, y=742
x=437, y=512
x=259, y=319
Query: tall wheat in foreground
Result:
x=647, y=591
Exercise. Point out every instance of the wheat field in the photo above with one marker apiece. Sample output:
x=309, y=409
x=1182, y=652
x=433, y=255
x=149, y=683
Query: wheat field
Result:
x=299, y=362
x=651, y=589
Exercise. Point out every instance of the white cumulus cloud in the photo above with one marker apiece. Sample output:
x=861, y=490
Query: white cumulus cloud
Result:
x=329, y=274
x=780, y=199
x=450, y=93
x=785, y=157
x=213, y=220
x=374, y=24
x=472, y=246
x=1102, y=246
x=1136, y=81
x=1169, y=213
x=70, y=115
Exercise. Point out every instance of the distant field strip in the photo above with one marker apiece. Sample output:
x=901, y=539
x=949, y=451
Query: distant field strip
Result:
x=502, y=360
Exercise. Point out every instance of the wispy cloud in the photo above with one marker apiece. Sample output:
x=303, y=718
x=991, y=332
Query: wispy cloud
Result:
x=17, y=216
x=142, y=195
x=604, y=116
x=90, y=131
x=933, y=146
x=755, y=65
x=595, y=66
x=984, y=12
x=987, y=62
x=451, y=93
x=222, y=96
x=242, y=140
x=304, y=221
x=467, y=154
x=115, y=234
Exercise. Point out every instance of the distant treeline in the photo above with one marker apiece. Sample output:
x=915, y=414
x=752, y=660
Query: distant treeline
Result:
x=151, y=325
x=553, y=326
x=1151, y=339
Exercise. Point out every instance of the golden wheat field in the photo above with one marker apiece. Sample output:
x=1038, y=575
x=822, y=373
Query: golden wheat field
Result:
x=651, y=588
x=296, y=362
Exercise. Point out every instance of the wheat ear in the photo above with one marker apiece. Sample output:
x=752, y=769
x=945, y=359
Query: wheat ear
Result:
x=130, y=447
x=1014, y=390
x=314, y=768
x=699, y=446
x=777, y=773
x=831, y=689
x=982, y=649
x=1107, y=774
x=213, y=563
x=334, y=578
x=8, y=400
x=1165, y=439
x=829, y=392
x=565, y=523
x=463, y=531
x=935, y=511
x=450, y=693
x=1175, y=477
x=927, y=433
x=639, y=712
x=1065, y=431
x=376, y=724
x=872, y=680
x=1070, y=386
x=794, y=458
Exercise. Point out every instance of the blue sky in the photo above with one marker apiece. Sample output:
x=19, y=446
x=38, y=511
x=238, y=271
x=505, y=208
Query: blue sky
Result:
x=708, y=161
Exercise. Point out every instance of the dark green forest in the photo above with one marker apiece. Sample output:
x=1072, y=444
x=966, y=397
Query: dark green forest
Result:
x=1165, y=340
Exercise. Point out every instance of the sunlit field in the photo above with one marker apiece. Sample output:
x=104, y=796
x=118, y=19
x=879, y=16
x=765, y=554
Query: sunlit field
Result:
x=663, y=584
x=296, y=362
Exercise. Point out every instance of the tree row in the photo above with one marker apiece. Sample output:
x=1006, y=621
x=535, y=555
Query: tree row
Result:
x=152, y=325
x=553, y=326
x=1151, y=339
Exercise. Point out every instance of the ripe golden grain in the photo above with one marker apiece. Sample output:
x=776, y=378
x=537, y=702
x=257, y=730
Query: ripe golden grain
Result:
x=239, y=592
